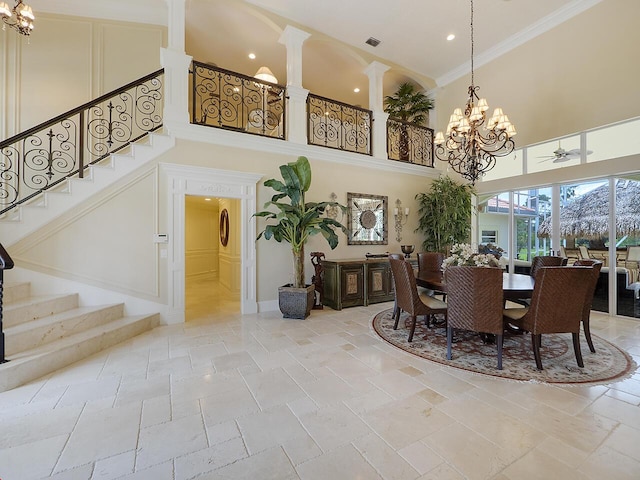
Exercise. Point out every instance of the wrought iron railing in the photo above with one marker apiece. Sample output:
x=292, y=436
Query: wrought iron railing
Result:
x=5, y=264
x=225, y=99
x=44, y=156
x=407, y=142
x=338, y=125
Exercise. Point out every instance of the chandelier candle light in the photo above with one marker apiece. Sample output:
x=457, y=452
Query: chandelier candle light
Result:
x=468, y=151
x=20, y=17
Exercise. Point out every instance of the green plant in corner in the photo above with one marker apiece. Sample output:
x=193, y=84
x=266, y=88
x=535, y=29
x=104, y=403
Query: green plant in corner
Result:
x=297, y=220
x=445, y=214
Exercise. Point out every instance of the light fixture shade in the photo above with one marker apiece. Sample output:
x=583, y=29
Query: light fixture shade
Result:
x=497, y=113
x=476, y=114
x=26, y=11
x=265, y=75
x=483, y=105
x=4, y=9
x=439, y=140
x=464, y=125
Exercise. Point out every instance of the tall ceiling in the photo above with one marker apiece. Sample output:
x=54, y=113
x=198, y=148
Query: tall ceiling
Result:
x=412, y=35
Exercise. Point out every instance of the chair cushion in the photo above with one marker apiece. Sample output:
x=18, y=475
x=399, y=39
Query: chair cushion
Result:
x=514, y=313
x=432, y=302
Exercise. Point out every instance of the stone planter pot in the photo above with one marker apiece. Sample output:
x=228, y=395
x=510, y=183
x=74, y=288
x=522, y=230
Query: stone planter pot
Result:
x=296, y=302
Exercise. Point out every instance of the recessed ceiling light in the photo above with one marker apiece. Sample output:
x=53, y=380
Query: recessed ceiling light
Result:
x=451, y=36
x=252, y=56
x=356, y=90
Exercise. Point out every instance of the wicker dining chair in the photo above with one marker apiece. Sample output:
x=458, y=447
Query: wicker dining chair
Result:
x=408, y=299
x=537, y=263
x=396, y=309
x=546, y=261
x=586, y=311
x=431, y=262
x=475, y=303
x=557, y=306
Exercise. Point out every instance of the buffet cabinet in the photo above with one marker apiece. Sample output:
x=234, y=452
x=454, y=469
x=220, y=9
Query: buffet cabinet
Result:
x=349, y=283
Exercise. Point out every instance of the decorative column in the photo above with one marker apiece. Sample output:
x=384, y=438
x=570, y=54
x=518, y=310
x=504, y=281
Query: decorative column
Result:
x=176, y=64
x=375, y=72
x=293, y=38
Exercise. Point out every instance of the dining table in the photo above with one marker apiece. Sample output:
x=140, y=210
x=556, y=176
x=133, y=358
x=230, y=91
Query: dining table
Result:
x=514, y=285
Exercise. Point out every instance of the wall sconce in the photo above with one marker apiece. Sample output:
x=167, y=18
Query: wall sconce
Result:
x=400, y=216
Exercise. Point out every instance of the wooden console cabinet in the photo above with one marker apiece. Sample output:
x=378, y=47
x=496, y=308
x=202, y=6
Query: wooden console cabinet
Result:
x=349, y=283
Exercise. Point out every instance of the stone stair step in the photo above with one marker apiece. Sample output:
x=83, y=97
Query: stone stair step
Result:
x=32, y=308
x=15, y=291
x=32, y=334
x=32, y=364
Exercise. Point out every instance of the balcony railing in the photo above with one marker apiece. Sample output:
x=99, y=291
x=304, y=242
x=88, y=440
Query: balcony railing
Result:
x=44, y=156
x=407, y=142
x=337, y=125
x=224, y=99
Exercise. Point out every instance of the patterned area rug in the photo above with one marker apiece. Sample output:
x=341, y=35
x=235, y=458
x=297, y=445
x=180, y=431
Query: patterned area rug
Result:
x=470, y=353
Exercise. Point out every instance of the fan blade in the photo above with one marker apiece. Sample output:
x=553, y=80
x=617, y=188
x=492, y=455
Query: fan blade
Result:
x=563, y=158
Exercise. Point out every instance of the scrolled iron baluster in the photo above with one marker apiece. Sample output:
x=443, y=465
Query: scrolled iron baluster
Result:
x=148, y=97
x=9, y=175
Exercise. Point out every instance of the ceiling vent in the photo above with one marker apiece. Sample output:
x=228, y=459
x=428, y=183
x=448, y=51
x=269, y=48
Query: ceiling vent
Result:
x=374, y=42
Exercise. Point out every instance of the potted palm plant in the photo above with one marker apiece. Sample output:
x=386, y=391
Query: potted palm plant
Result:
x=408, y=105
x=295, y=221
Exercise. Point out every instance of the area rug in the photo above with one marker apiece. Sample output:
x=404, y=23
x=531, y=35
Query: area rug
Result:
x=470, y=353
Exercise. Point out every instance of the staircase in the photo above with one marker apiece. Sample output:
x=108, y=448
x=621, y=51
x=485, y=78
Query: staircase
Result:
x=46, y=333
x=74, y=191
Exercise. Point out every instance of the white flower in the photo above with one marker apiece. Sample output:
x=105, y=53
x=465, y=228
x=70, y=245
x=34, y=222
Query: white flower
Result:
x=465, y=254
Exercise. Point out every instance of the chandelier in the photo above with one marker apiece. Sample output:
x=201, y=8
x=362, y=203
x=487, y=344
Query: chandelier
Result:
x=20, y=17
x=471, y=142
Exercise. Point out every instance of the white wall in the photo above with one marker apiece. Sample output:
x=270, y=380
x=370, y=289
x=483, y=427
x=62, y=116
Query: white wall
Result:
x=274, y=261
x=581, y=74
x=68, y=61
x=230, y=255
x=201, y=237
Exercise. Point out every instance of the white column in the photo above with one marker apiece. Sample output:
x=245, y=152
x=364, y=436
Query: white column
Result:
x=297, y=114
x=176, y=24
x=176, y=64
x=375, y=72
x=293, y=38
x=176, y=86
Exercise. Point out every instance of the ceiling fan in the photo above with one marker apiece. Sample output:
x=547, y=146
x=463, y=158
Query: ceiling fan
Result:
x=561, y=155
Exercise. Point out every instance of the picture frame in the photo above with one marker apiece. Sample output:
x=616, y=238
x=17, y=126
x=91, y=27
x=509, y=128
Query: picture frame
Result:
x=367, y=219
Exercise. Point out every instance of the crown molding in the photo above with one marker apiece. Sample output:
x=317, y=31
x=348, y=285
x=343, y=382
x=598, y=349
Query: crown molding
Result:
x=152, y=12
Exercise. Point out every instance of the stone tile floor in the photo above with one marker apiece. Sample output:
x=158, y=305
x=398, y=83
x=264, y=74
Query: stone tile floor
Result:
x=230, y=396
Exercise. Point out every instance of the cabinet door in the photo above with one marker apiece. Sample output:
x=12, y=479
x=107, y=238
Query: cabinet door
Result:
x=351, y=285
x=379, y=283
x=331, y=285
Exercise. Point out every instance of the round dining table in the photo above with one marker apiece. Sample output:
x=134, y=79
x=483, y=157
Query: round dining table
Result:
x=514, y=285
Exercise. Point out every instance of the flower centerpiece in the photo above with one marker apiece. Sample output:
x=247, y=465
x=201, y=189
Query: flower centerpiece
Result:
x=464, y=254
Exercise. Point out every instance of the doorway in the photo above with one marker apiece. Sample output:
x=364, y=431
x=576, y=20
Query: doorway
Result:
x=212, y=257
x=183, y=180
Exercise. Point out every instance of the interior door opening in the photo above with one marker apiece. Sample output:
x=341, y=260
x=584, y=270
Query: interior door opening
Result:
x=212, y=257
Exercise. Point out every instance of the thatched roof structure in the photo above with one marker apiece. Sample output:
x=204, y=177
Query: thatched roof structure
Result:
x=587, y=216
